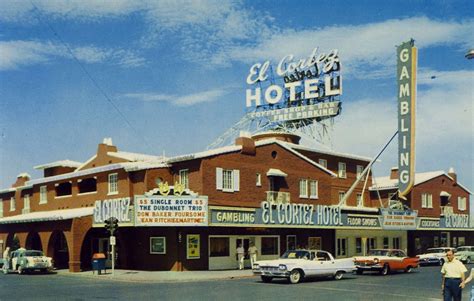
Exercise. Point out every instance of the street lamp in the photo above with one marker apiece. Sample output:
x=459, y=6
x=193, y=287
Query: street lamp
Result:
x=470, y=54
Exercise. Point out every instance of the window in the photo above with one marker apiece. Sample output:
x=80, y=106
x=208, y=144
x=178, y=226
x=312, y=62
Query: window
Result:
x=396, y=242
x=227, y=180
x=184, y=177
x=291, y=242
x=1, y=207
x=323, y=162
x=12, y=204
x=314, y=243
x=313, y=189
x=358, y=245
x=341, y=195
x=87, y=185
x=426, y=200
x=219, y=247
x=157, y=245
x=303, y=188
x=462, y=203
x=26, y=202
x=63, y=189
x=341, y=247
x=258, y=181
x=113, y=183
x=371, y=243
x=462, y=241
x=270, y=246
x=43, y=194
x=360, y=202
x=359, y=170
x=385, y=243
x=342, y=170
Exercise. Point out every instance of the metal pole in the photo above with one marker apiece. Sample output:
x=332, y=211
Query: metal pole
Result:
x=113, y=259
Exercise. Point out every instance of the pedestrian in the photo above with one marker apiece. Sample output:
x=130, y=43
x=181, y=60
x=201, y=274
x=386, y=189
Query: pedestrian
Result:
x=6, y=260
x=253, y=253
x=468, y=279
x=240, y=256
x=453, y=278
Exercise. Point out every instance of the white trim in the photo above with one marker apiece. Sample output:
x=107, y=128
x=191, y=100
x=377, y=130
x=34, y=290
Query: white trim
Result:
x=274, y=172
x=85, y=163
x=63, y=196
x=41, y=216
x=164, y=245
x=62, y=163
x=86, y=193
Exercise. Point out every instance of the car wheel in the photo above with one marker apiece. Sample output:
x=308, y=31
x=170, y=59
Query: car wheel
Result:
x=266, y=279
x=409, y=269
x=20, y=270
x=441, y=261
x=385, y=270
x=338, y=275
x=359, y=272
x=295, y=276
x=44, y=271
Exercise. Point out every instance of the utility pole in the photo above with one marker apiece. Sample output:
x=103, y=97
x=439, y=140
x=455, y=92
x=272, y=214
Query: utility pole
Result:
x=111, y=224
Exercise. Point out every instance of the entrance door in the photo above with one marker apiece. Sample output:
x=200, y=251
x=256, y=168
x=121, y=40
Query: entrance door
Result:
x=444, y=239
x=245, y=242
x=103, y=244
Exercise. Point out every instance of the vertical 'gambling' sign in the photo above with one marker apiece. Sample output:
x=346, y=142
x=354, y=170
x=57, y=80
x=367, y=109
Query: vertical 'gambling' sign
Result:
x=406, y=79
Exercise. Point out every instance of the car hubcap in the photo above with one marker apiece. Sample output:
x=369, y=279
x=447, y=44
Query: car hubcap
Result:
x=295, y=277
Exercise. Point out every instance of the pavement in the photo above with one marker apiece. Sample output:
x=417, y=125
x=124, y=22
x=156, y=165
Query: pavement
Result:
x=160, y=276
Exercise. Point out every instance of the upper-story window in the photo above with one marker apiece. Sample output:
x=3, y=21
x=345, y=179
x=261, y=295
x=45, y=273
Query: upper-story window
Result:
x=323, y=162
x=43, y=194
x=342, y=170
x=313, y=189
x=184, y=177
x=462, y=203
x=1, y=207
x=359, y=171
x=63, y=189
x=113, y=183
x=12, y=204
x=87, y=185
x=341, y=195
x=227, y=180
x=258, y=180
x=360, y=203
x=303, y=188
x=26, y=202
x=426, y=200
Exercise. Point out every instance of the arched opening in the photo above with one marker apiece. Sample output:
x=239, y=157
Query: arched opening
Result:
x=97, y=241
x=33, y=242
x=58, y=250
x=13, y=242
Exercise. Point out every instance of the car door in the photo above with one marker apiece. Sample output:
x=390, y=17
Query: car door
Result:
x=325, y=264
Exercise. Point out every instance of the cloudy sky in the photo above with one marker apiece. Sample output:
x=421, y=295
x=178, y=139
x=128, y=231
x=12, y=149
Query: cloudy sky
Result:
x=169, y=76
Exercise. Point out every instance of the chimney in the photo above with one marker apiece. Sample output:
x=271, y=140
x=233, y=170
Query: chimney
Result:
x=106, y=146
x=21, y=179
x=394, y=173
x=453, y=174
x=247, y=143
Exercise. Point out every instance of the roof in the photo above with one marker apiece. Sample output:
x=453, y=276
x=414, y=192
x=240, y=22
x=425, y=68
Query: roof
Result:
x=385, y=183
x=328, y=152
x=135, y=157
x=6, y=190
x=42, y=216
x=62, y=163
x=276, y=173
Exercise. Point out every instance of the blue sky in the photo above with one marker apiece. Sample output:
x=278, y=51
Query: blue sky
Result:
x=176, y=72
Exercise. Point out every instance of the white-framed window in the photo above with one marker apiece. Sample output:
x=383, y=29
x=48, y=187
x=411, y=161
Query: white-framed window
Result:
x=43, y=194
x=359, y=170
x=26, y=202
x=396, y=243
x=227, y=180
x=360, y=203
x=323, y=162
x=341, y=195
x=303, y=188
x=12, y=204
x=426, y=200
x=341, y=247
x=1, y=207
x=341, y=171
x=113, y=183
x=258, y=180
x=313, y=189
x=184, y=177
x=462, y=203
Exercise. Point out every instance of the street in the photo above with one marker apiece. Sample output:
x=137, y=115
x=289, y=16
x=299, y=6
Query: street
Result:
x=423, y=284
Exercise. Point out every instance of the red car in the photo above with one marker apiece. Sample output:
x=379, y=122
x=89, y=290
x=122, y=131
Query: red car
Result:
x=385, y=261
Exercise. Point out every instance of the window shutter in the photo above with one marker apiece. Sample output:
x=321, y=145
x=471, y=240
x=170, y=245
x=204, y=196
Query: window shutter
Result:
x=236, y=174
x=218, y=178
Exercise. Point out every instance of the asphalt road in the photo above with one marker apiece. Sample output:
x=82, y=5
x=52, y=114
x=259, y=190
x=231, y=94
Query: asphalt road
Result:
x=423, y=284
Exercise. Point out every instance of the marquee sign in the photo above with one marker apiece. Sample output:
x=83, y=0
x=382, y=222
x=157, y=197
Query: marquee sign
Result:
x=398, y=219
x=406, y=78
x=315, y=78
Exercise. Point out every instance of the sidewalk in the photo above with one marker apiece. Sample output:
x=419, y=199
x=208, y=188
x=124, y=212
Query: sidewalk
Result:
x=161, y=276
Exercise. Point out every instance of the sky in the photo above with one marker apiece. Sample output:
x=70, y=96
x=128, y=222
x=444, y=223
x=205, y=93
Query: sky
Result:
x=169, y=77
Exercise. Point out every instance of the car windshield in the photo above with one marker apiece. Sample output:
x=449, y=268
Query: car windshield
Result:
x=296, y=254
x=435, y=250
x=378, y=252
x=33, y=253
x=460, y=249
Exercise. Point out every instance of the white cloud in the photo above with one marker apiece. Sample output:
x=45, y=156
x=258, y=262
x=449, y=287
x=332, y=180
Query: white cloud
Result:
x=16, y=54
x=179, y=100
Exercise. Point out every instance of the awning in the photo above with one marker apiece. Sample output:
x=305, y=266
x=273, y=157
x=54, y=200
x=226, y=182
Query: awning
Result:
x=273, y=172
x=44, y=216
x=444, y=193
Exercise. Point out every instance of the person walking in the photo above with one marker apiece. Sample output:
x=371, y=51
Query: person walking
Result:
x=240, y=256
x=253, y=254
x=453, y=272
x=6, y=260
x=468, y=279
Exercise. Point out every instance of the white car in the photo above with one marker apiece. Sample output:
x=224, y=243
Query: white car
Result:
x=435, y=255
x=465, y=254
x=23, y=261
x=295, y=265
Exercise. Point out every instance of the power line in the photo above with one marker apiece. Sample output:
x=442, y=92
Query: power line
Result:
x=94, y=82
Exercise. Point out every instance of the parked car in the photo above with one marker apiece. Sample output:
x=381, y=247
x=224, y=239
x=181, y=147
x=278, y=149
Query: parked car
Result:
x=296, y=265
x=465, y=254
x=435, y=256
x=385, y=261
x=23, y=260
